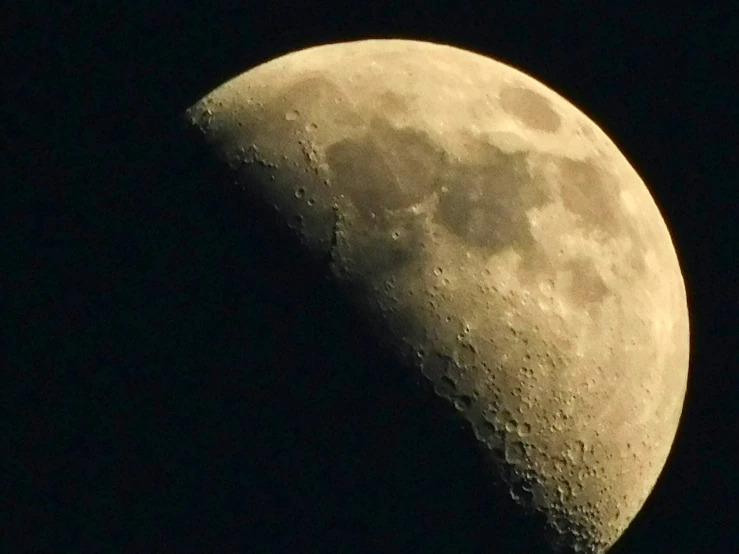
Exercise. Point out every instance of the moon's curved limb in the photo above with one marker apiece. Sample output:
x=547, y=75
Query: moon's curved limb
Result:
x=506, y=249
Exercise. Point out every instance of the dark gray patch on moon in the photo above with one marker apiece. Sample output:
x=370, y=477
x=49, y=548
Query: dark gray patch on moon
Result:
x=483, y=203
x=392, y=103
x=531, y=108
x=585, y=194
x=592, y=194
x=588, y=287
x=384, y=172
x=386, y=169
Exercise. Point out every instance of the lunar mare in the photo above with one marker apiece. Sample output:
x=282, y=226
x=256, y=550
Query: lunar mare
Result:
x=502, y=245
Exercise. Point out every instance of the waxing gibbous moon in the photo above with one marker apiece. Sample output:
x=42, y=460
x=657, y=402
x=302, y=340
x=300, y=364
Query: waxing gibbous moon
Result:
x=500, y=244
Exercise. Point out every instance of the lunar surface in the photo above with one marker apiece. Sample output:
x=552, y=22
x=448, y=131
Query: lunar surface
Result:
x=500, y=244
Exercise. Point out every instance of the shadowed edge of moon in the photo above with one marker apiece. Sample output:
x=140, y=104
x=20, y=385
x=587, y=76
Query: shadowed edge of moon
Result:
x=466, y=201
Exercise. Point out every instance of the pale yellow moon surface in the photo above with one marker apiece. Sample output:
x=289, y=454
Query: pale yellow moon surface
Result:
x=506, y=249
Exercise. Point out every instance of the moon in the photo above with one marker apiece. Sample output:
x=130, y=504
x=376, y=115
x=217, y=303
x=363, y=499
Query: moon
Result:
x=501, y=246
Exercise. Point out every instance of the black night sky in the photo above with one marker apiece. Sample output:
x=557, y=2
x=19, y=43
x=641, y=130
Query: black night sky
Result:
x=180, y=382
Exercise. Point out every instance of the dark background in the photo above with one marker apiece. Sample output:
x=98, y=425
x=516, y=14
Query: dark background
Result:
x=179, y=385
